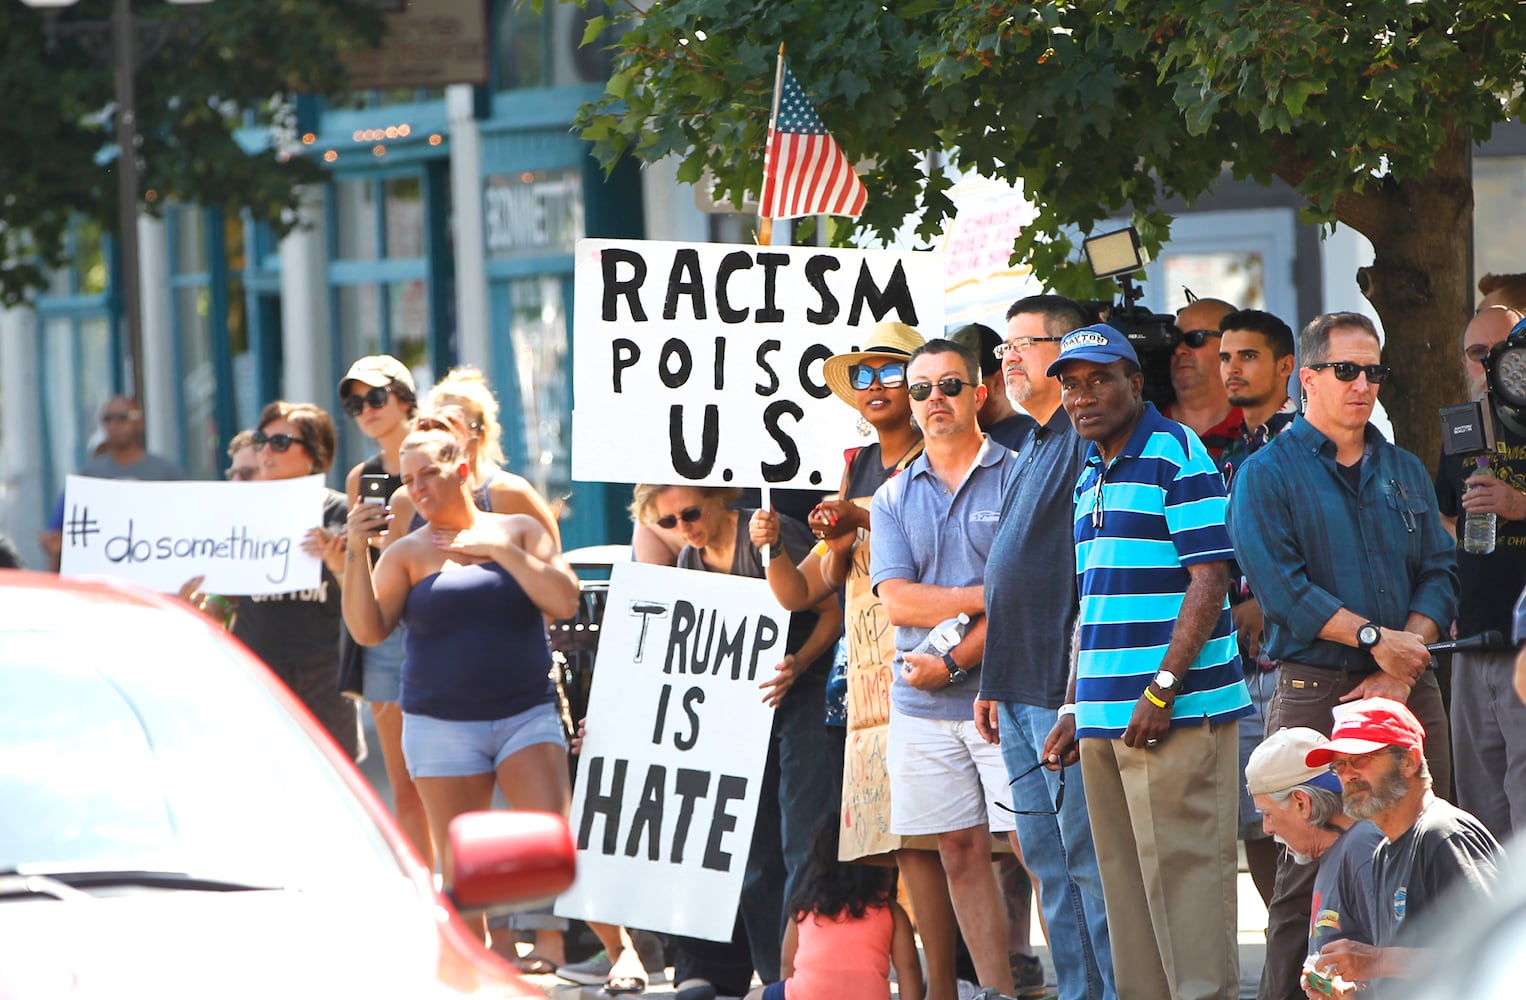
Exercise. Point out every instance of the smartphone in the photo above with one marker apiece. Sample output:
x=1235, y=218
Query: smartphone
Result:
x=373, y=487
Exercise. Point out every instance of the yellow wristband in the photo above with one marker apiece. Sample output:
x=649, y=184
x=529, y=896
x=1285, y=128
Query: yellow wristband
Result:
x=1154, y=700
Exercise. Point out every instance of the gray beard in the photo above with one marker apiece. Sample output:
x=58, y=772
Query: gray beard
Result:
x=1388, y=792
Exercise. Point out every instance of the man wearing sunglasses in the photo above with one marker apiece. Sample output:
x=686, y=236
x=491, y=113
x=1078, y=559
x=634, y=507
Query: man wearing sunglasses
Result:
x=932, y=528
x=1201, y=402
x=1158, y=686
x=1337, y=531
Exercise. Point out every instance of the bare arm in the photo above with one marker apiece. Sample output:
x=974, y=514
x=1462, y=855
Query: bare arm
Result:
x=787, y=950
x=522, y=545
x=511, y=494
x=925, y=605
x=796, y=588
x=823, y=636
x=1201, y=606
x=372, y=599
x=904, y=957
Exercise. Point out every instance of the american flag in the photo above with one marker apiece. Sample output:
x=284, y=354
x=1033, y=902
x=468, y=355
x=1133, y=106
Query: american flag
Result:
x=804, y=173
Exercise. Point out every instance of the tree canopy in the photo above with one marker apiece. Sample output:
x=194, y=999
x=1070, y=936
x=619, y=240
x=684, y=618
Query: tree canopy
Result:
x=199, y=74
x=1366, y=108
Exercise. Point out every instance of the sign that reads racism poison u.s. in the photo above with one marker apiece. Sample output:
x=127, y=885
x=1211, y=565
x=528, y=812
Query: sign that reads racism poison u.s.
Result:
x=677, y=738
x=701, y=363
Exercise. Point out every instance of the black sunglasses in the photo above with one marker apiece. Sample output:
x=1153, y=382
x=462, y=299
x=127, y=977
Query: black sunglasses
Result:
x=355, y=403
x=1059, y=795
x=950, y=387
x=688, y=516
x=1347, y=371
x=890, y=376
x=1197, y=338
x=279, y=443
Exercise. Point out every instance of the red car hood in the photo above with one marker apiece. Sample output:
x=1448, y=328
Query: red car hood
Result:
x=383, y=941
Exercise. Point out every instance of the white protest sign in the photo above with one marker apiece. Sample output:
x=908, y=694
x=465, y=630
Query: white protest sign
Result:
x=669, y=775
x=246, y=538
x=700, y=363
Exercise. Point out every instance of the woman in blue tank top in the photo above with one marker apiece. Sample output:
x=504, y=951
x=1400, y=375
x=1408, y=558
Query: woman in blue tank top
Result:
x=473, y=588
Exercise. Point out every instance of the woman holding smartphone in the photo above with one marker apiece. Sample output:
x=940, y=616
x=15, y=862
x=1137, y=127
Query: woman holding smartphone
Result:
x=379, y=395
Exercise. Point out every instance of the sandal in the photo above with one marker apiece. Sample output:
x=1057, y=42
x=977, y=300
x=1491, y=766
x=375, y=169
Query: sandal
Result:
x=535, y=965
x=627, y=975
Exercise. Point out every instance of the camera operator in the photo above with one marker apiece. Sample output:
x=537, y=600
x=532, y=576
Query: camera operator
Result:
x=1488, y=720
x=1201, y=402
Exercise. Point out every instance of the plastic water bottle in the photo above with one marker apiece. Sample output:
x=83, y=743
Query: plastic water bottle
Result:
x=1478, y=529
x=945, y=635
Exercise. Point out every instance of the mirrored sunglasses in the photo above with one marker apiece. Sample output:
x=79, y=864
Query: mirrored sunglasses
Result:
x=948, y=386
x=889, y=376
x=356, y=402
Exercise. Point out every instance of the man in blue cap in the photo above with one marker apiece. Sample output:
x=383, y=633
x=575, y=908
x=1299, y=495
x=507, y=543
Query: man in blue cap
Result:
x=1157, y=682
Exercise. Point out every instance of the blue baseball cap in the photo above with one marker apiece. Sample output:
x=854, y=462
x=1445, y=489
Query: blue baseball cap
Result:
x=1099, y=342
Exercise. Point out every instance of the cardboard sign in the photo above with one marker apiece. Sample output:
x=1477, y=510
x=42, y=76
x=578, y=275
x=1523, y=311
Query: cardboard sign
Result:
x=670, y=771
x=700, y=364
x=246, y=538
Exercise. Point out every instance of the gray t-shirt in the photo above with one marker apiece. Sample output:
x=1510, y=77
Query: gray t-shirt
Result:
x=149, y=468
x=1031, y=575
x=1342, y=906
x=923, y=533
x=1445, y=848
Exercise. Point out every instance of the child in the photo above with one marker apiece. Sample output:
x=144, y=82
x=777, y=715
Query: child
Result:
x=846, y=929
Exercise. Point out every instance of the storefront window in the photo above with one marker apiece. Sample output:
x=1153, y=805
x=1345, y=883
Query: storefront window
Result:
x=539, y=331
x=355, y=211
x=533, y=213
x=404, y=216
x=1237, y=276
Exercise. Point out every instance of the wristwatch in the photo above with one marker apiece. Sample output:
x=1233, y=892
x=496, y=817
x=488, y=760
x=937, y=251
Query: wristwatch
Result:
x=1165, y=680
x=1368, y=635
x=955, y=673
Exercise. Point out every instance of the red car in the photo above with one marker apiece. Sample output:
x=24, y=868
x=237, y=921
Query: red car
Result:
x=173, y=823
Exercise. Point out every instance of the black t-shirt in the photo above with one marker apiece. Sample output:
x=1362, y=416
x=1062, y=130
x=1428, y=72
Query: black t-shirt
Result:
x=1445, y=848
x=1488, y=585
x=297, y=632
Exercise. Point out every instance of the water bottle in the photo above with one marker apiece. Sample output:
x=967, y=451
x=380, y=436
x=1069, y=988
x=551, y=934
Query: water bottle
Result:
x=945, y=635
x=1478, y=529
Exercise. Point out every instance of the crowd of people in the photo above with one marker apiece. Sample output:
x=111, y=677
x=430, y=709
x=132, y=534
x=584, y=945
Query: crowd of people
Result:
x=1119, y=640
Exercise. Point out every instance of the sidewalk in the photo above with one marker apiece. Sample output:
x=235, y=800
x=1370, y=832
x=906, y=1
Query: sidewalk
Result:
x=1252, y=955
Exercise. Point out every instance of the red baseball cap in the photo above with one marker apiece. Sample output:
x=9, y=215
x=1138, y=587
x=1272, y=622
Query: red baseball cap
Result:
x=1368, y=725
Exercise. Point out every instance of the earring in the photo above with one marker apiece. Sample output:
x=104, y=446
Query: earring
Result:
x=864, y=427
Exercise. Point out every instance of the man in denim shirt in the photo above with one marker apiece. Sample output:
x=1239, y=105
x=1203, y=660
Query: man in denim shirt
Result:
x=1337, y=531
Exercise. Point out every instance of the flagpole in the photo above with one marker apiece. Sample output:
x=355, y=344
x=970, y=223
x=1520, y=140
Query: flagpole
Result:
x=765, y=223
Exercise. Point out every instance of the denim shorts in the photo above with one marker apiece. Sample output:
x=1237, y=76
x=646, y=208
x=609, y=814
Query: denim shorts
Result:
x=382, y=678
x=446, y=748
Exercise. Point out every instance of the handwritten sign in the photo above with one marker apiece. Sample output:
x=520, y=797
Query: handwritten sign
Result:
x=669, y=777
x=701, y=363
x=246, y=538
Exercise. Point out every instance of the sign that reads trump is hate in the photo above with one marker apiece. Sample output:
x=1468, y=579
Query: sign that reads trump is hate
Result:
x=670, y=770
x=700, y=364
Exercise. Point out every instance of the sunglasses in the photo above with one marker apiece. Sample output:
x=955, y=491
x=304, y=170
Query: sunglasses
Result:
x=355, y=403
x=1347, y=371
x=278, y=443
x=688, y=516
x=1197, y=338
x=1476, y=353
x=1021, y=344
x=889, y=376
x=1059, y=796
x=950, y=387
x=239, y=474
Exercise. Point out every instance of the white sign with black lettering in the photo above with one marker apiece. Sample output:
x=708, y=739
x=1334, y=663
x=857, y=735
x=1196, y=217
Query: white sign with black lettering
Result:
x=701, y=363
x=245, y=538
x=668, y=779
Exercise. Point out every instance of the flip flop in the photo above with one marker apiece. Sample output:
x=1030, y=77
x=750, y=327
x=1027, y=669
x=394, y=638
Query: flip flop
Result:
x=535, y=965
x=627, y=975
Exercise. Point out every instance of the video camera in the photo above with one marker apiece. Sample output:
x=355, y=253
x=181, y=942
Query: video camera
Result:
x=1471, y=428
x=1154, y=335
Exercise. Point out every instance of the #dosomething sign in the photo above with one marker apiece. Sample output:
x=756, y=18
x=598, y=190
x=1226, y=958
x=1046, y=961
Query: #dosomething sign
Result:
x=669, y=774
x=700, y=364
x=246, y=538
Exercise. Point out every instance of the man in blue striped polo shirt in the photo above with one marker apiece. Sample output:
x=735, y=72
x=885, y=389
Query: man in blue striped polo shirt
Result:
x=1158, y=680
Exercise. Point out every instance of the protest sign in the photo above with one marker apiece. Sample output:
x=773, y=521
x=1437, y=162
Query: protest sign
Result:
x=669, y=775
x=246, y=538
x=700, y=364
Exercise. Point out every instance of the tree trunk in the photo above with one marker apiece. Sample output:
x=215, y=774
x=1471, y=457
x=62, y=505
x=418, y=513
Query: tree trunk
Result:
x=1418, y=283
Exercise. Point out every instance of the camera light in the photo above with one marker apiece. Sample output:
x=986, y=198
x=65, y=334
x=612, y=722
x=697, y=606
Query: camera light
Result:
x=1115, y=253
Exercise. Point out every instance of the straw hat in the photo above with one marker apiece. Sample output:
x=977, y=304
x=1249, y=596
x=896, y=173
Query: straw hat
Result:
x=888, y=341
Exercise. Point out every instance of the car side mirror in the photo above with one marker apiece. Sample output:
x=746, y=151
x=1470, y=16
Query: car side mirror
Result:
x=507, y=860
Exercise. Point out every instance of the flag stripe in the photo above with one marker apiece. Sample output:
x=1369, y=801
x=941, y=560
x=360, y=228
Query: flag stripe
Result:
x=804, y=170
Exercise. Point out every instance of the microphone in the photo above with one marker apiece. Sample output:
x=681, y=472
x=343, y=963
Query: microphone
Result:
x=1490, y=640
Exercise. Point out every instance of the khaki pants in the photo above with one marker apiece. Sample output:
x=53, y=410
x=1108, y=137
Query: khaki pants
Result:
x=1164, y=822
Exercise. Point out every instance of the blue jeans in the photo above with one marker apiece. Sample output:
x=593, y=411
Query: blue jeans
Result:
x=1061, y=855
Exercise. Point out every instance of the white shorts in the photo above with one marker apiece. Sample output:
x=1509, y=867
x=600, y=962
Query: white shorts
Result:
x=944, y=777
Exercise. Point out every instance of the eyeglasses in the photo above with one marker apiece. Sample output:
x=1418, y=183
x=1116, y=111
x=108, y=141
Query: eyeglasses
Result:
x=1197, y=338
x=1361, y=763
x=1347, y=371
x=355, y=403
x=688, y=516
x=279, y=443
x=240, y=473
x=950, y=387
x=890, y=376
x=1476, y=353
x=1021, y=344
x=1059, y=795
